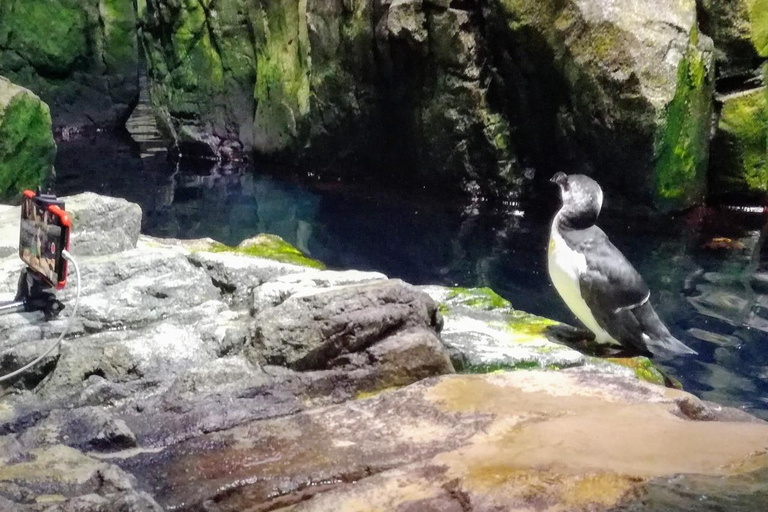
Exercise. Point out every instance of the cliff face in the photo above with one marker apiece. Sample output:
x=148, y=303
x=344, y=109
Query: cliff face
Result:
x=454, y=92
x=469, y=95
x=79, y=56
x=397, y=86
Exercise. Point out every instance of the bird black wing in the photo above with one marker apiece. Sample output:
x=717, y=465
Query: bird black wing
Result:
x=610, y=286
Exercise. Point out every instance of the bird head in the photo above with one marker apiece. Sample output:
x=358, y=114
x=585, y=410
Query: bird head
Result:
x=582, y=199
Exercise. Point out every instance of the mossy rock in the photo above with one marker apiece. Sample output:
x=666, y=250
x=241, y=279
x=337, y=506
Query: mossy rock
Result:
x=743, y=140
x=758, y=17
x=49, y=35
x=27, y=149
x=682, y=147
x=80, y=56
x=270, y=247
x=643, y=368
x=482, y=298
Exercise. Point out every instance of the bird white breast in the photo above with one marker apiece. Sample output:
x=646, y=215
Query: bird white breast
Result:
x=565, y=268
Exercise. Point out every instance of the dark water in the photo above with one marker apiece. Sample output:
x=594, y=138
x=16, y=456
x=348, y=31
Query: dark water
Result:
x=714, y=299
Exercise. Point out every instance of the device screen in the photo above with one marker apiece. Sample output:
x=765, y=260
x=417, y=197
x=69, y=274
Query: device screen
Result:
x=42, y=240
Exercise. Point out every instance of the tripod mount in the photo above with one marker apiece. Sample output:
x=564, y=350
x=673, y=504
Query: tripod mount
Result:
x=33, y=294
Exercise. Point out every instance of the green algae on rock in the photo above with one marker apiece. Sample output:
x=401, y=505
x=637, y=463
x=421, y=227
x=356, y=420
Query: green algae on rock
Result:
x=485, y=334
x=270, y=247
x=742, y=145
x=27, y=149
x=610, y=91
x=79, y=56
x=739, y=29
x=643, y=367
x=483, y=298
x=682, y=148
x=758, y=17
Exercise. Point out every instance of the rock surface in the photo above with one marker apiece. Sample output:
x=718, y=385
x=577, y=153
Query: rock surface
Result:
x=739, y=29
x=530, y=439
x=740, y=146
x=391, y=83
x=105, y=225
x=458, y=93
x=80, y=56
x=198, y=380
x=27, y=149
x=161, y=351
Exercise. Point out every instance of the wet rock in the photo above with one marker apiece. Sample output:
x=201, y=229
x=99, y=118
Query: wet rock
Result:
x=274, y=292
x=481, y=441
x=456, y=93
x=739, y=155
x=28, y=150
x=80, y=57
x=102, y=225
x=312, y=82
x=633, y=85
x=310, y=330
x=59, y=471
x=237, y=275
x=739, y=29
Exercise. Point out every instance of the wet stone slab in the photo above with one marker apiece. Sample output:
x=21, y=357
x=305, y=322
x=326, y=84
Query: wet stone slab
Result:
x=535, y=439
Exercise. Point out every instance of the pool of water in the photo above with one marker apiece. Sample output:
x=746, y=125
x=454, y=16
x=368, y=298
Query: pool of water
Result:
x=706, y=269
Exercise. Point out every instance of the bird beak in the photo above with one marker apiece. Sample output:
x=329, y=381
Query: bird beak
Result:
x=559, y=178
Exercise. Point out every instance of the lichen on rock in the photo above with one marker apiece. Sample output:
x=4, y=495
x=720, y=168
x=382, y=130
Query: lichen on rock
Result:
x=27, y=149
x=682, y=147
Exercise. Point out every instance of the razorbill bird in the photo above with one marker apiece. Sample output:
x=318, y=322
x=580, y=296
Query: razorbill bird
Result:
x=596, y=281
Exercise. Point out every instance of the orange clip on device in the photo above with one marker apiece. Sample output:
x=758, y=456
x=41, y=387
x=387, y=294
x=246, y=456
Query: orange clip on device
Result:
x=44, y=235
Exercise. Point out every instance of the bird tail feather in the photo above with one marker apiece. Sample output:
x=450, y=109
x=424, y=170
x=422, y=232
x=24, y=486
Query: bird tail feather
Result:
x=655, y=333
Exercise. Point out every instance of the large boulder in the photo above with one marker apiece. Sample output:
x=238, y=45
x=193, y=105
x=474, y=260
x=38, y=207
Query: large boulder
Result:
x=311, y=330
x=623, y=93
x=80, y=56
x=102, y=225
x=27, y=149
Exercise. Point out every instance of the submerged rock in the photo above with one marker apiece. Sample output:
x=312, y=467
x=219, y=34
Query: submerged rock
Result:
x=80, y=56
x=27, y=149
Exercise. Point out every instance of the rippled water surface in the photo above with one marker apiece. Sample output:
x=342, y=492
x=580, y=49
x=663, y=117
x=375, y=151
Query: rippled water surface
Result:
x=712, y=293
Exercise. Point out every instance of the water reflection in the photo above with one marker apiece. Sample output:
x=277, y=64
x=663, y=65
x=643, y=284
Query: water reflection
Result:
x=692, y=493
x=712, y=294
